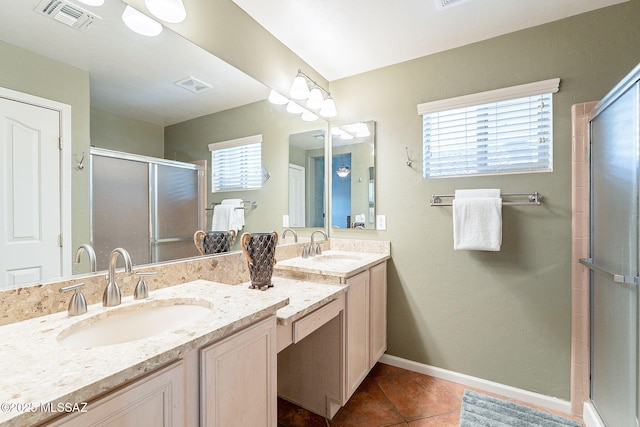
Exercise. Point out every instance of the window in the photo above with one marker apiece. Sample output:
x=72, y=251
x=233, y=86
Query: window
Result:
x=236, y=164
x=502, y=131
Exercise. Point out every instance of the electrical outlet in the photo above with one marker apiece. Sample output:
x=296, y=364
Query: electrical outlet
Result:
x=381, y=222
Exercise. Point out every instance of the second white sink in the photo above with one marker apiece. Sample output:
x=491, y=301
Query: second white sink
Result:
x=131, y=323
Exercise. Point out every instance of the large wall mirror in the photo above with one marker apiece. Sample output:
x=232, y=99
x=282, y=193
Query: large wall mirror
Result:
x=353, y=176
x=123, y=93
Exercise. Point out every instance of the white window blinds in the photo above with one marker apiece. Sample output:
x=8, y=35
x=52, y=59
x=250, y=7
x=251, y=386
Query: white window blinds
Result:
x=505, y=131
x=236, y=164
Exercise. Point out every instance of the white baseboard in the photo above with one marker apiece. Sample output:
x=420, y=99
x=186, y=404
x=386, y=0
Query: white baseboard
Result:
x=525, y=396
x=590, y=416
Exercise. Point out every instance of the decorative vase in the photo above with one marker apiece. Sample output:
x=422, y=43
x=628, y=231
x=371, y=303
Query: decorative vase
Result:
x=214, y=242
x=260, y=250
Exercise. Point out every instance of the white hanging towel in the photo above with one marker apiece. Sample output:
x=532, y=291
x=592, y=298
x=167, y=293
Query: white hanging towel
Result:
x=477, y=220
x=236, y=222
x=222, y=215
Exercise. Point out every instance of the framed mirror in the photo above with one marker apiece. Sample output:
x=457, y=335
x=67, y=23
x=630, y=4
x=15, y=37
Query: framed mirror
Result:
x=353, y=176
x=307, y=189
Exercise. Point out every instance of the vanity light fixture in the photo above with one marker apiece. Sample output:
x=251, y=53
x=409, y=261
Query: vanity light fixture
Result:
x=315, y=97
x=316, y=100
x=140, y=23
x=299, y=88
x=172, y=11
x=328, y=108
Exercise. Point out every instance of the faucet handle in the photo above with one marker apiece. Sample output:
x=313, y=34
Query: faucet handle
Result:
x=142, y=290
x=318, y=249
x=305, y=251
x=77, y=304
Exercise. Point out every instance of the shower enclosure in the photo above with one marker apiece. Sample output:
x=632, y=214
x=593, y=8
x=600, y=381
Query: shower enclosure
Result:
x=614, y=176
x=149, y=206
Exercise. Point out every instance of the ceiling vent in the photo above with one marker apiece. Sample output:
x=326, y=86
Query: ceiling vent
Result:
x=444, y=4
x=194, y=85
x=67, y=13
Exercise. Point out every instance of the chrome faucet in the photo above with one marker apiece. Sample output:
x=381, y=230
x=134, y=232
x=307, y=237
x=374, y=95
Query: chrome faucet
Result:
x=295, y=235
x=111, y=296
x=90, y=253
x=317, y=250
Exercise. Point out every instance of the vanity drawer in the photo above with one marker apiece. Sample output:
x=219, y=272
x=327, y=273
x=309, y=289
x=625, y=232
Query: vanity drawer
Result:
x=312, y=321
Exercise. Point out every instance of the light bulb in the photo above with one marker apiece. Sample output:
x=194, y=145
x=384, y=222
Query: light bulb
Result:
x=140, y=23
x=294, y=108
x=316, y=99
x=299, y=88
x=328, y=108
x=168, y=10
x=277, y=98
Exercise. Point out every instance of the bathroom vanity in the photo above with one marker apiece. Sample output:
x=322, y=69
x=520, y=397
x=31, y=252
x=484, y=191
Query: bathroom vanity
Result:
x=321, y=372
x=311, y=339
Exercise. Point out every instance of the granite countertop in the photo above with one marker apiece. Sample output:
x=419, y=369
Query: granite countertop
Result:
x=39, y=370
x=342, y=264
x=304, y=297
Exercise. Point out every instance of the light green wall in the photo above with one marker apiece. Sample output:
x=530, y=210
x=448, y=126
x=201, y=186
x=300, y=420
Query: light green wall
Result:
x=188, y=141
x=27, y=72
x=502, y=316
x=120, y=133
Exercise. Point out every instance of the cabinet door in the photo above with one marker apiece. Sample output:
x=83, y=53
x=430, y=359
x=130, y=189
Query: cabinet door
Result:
x=238, y=379
x=377, y=313
x=154, y=401
x=357, y=332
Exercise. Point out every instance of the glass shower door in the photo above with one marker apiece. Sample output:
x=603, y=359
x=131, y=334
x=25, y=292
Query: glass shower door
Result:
x=614, y=251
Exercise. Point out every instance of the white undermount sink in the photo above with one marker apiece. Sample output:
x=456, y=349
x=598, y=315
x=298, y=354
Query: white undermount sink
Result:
x=132, y=323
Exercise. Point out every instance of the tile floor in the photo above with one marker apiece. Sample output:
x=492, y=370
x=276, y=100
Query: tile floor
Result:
x=389, y=397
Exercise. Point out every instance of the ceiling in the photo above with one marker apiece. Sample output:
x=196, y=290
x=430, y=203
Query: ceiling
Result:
x=134, y=75
x=340, y=38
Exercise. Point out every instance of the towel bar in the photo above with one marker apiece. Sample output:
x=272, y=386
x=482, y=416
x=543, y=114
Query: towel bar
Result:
x=252, y=205
x=534, y=199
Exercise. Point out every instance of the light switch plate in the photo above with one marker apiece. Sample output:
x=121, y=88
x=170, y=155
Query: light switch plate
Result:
x=381, y=222
x=285, y=220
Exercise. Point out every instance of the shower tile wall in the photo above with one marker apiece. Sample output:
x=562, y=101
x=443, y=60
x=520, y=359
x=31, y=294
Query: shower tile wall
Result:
x=580, y=249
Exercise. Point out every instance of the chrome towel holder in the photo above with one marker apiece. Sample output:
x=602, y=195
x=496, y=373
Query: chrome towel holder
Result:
x=533, y=199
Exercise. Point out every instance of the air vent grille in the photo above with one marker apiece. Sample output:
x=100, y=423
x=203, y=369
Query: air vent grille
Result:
x=194, y=85
x=67, y=13
x=442, y=4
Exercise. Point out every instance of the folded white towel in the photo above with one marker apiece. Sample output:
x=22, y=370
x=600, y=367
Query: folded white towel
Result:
x=222, y=215
x=477, y=220
x=236, y=221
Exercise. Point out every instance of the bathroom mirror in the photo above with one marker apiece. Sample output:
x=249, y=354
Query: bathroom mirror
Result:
x=132, y=84
x=353, y=176
x=307, y=194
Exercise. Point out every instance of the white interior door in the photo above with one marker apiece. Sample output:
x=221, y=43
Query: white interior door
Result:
x=296, y=196
x=30, y=219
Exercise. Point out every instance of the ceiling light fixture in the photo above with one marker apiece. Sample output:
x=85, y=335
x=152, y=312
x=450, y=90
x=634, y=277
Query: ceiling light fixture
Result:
x=172, y=11
x=343, y=171
x=315, y=97
x=140, y=23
